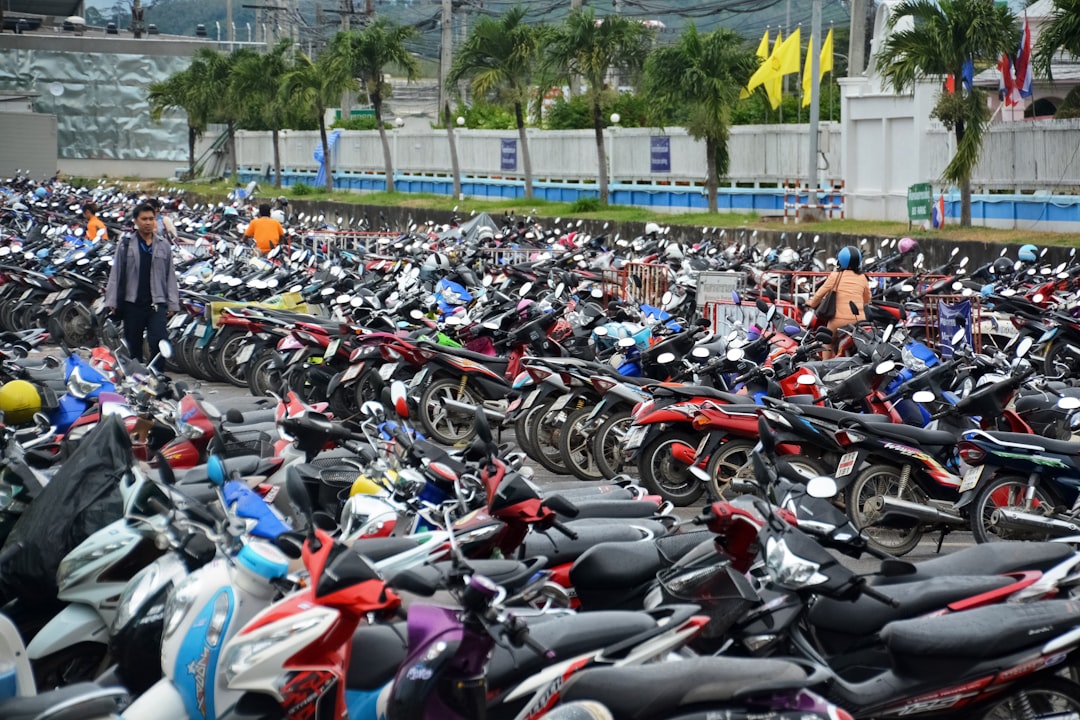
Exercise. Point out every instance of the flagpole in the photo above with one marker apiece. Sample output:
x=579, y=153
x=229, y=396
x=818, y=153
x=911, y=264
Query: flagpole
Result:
x=815, y=105
x=830, y=85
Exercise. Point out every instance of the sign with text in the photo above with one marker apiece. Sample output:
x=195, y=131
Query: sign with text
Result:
x=920, y=203
x=509, y=154
x=660, y=154
x=952, y=317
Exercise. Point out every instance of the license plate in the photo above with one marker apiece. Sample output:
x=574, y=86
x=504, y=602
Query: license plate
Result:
x=387, y=371
x=847, y=464
x=560, y=403
x=971, y=478
x=199, y=330
x=418, y=379
x=245, y=354
x=353, y=372
x=633, y=438
x=49, y=299
x=27, y=294
x=298, y=356
x=1049, y=334
x=530, y=399
x=332, y=348
x=177, y=321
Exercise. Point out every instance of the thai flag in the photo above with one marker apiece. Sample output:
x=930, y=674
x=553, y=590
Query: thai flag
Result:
x=1006, y=83
x=939, y=212
x=1022, y=84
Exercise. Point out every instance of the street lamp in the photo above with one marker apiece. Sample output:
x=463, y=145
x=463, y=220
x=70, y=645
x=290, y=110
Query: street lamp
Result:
x=460, y=121
x=615, y=118
x=398, y=122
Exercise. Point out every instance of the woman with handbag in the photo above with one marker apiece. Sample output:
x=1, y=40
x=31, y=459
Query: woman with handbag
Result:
x=833, y=300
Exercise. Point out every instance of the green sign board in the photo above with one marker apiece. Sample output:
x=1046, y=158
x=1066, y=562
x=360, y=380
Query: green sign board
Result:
x=920, y=203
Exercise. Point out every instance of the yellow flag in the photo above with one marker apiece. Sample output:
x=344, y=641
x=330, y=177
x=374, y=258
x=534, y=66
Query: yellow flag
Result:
x=774, y=86
x=768, y=73
x=825, y=65
x=763, y=54
x=789, y=54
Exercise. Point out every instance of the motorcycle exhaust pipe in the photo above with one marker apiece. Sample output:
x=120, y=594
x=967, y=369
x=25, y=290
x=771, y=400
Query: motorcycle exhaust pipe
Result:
x=897, y=508
x=1019, y=520
x=466, y=407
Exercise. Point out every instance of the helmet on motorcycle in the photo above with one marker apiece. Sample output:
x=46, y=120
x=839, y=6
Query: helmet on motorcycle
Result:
x=849, y=258
x=278, y=215
x=1002, y=266
x=673, y=252
x=485, y=233
x=652, y=228
x=524, y=308
x=1028, y=253
x=788, y=256
x=41, y=192
x=907, y=245
x=19, y=400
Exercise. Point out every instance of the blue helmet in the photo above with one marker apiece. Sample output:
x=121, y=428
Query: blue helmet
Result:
x=849, y=258
x=41, y=192
x=1028, y=253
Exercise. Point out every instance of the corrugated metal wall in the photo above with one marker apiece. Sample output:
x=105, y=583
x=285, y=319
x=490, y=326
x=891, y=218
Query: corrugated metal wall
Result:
x=29, y=142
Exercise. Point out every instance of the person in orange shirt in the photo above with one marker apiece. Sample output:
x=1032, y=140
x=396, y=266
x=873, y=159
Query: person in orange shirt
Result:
x=266, y=230
x=93, y=223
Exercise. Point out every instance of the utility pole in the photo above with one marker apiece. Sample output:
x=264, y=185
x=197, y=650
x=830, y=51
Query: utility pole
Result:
x=857, y=40
x=136, y=19
x=815, y=101
x=446, y=53
x=229, y=29
x=575, y=82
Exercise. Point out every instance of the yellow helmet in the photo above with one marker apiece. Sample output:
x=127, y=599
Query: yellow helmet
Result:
x=364, y=485
x=19, y=400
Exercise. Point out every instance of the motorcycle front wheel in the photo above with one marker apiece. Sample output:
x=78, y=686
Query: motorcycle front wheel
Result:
x=882, y=481
x=664, y=475
x=1048, y=697
x=1001, y=492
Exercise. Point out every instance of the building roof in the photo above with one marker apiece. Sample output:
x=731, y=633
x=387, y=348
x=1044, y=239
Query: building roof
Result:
x=63, y=8
x=1064, y=73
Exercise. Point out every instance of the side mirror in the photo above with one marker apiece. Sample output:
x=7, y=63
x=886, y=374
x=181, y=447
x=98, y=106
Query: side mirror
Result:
x=666, y=358
x=735, y=354
x=165, y=348
x=626, y=342
x=887, y=333
x=215, y=470
x=807, y=318
x=761, y=305
x=958, y=337
x=51, y=362
x=1068, y=403
x=666, y=298
x=806, y=380
x=234, y=417
x=699, y=353
x=854, y=308
x=822, y=487
x=399, y=396
x=600, y=331
x=884, y=367
x=483, y=430
x=1024, y=346
x=924, y=396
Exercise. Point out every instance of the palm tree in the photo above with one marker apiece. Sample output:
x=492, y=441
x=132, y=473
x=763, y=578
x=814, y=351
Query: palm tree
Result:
x=209, y=87
x=700, y=76
x=176, y=93
x=1061, y=33
x=590, y=48
x=256, y=78
x=944, y=35
x=366, y=53
x=312, y=87
x=499, y=58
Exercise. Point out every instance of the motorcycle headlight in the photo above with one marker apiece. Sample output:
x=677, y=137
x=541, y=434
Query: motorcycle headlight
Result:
x=79, y=387
x=241, y=656
x=911, y=361
x=179, y=603
x=145, y=583
x=788, y=569
x=76, y=561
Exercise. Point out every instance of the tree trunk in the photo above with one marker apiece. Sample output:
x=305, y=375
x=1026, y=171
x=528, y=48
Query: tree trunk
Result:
x=711, y=180
x=965, y=184
x=601, y=155
x=326, y=151
x=526, y=160
x=191, y=137
x=277, y=158
x=376, y=101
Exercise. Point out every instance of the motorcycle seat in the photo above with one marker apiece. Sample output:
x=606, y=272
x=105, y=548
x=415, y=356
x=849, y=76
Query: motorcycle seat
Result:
x=689, y=391
x=918, y=436
x=627, y=564
x=602, y=507
x=568, y=636
x=559, y=549
x=85, y=700
x=376, y=549
x=867, y=616
x=245, y=465
x=989, y=559
x=833, y=415
x=657, y=689
x=377, y=652
x=492, y=361
x=1058, y=447
x=923, y=647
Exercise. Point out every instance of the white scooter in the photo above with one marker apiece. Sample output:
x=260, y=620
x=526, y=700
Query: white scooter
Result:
x=19, y=699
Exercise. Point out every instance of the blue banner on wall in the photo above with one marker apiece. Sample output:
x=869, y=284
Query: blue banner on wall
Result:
x=509, y=154
x=951, y=317
x=660, y=154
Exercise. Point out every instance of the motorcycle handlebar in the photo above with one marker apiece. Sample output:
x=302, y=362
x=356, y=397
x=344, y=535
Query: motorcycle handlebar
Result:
x=558, y=525
x=876, y=595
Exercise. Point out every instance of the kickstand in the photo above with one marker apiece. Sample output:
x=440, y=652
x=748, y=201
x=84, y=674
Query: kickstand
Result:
x=940, y=541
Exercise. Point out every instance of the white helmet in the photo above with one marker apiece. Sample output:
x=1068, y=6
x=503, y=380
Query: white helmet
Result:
x=278, y=215
x=652, y=228
x=673, y=251
x=485, y=233
x=788, y=256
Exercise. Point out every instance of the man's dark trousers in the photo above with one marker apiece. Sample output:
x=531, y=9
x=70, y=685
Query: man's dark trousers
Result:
x=149, y=319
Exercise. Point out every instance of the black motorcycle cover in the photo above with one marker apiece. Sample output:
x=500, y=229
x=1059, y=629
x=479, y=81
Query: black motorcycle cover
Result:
x=83, y=497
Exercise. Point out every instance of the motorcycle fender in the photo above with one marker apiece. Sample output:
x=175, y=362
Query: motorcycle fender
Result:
x=161, y=702
x=965, y=499
x=74, y=624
